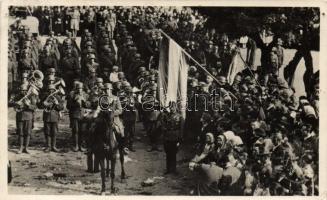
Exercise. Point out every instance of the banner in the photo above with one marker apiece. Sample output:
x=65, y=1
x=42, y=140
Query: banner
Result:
x=173, y=72
x=236, y=66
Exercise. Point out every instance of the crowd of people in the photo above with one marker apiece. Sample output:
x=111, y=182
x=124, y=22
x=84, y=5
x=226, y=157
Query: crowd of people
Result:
x=260, y=140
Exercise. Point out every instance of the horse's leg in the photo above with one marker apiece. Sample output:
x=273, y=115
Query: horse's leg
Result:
x=103, y=175
x=112, y=171
x=121, y=158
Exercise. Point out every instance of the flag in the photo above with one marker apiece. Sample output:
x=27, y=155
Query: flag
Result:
x=236, y=66
x=173, y=72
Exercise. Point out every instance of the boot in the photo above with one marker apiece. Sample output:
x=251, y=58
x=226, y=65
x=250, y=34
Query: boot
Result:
x=89, y=162
x=21, y=144
x=80, y=148
x=75, y=143
x=53, y=144
x=27, y=142
x=47, y=143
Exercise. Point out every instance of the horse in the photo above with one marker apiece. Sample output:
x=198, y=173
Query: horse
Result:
x=105, y=145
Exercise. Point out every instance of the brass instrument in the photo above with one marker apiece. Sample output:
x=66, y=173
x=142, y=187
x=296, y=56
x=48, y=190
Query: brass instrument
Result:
x=36, y=79
x=60, y=83
x=51, y=96
x=30, y=92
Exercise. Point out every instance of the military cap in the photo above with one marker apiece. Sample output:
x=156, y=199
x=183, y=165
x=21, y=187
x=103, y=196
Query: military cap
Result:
x=107, y=86
x=115, y=67
x=88, y=43
x=67, y=42
x=129, y=37
x=51, y=70
x=202, y=84
x=121, y=74
x=260, y=132
x=91, y=56
x=137, y=55
x=79, y=85
x=51, y=87
x=153, y=78
x=238, y=78
x=222, y=79
x=23, y=86
x=88, y=34
x=25, y=75
x=141, y=69
x=125, y=83
x=99, y=80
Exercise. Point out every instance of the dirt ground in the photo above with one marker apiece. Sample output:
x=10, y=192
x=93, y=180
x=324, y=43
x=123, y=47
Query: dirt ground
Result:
x=65, y=172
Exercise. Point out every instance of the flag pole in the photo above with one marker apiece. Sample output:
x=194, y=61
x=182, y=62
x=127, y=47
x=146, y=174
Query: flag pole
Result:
x=196, y=62
x=246, y=65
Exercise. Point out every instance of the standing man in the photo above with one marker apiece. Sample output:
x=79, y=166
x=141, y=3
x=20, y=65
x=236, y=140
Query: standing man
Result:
x=76, y=105
x=74, y=22
x=25, y=105
x=171, y=126
x=52, y=104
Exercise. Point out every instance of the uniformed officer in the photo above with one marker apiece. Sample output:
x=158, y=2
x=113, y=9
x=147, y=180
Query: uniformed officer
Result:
x=71, y=69
x=47, y=60
x=90, y=81
x=76, y=105
x=129, y=117
x=25, y=105
x=52, y=104
x=171, y=126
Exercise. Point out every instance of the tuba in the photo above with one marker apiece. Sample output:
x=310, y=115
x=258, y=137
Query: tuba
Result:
x=36, y=79
x=30, y=92
x=51, y=96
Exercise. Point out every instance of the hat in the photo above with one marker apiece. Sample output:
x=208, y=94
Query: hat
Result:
x=24, y=75
x=99, y=80
x=79, y=85
x=88, y=43
x=91, y=56
x=260, y=132
x=115, y=67
x=141, y=69
x=51, y=70
x=137, y=55
x=222, y=79
x=107, y=86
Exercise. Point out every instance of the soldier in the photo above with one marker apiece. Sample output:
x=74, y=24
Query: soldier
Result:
x=76, y=105
x=52, y=104
x=113, y=77
x=90, y=81
x=71, y=69
x=25, y=105
x=26, y=63
x=171, y=124
x=47, y=60
x=129, y=117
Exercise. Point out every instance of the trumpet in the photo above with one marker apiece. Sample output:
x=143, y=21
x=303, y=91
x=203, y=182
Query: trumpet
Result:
x=50, y=98
x=30, y=92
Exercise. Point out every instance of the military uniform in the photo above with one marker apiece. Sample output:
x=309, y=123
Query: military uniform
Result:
x=51, y=116
x=171, y=127
x=76, y=105
x=24, y=116
x=129, y=117
x=71, y=70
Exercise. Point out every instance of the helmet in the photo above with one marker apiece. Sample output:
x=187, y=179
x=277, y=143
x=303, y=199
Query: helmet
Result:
x=107, y=86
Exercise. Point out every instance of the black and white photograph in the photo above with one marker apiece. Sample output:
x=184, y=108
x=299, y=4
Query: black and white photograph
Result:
x=163, y=100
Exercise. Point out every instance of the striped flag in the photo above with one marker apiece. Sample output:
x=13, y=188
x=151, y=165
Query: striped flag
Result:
x=173, y=72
